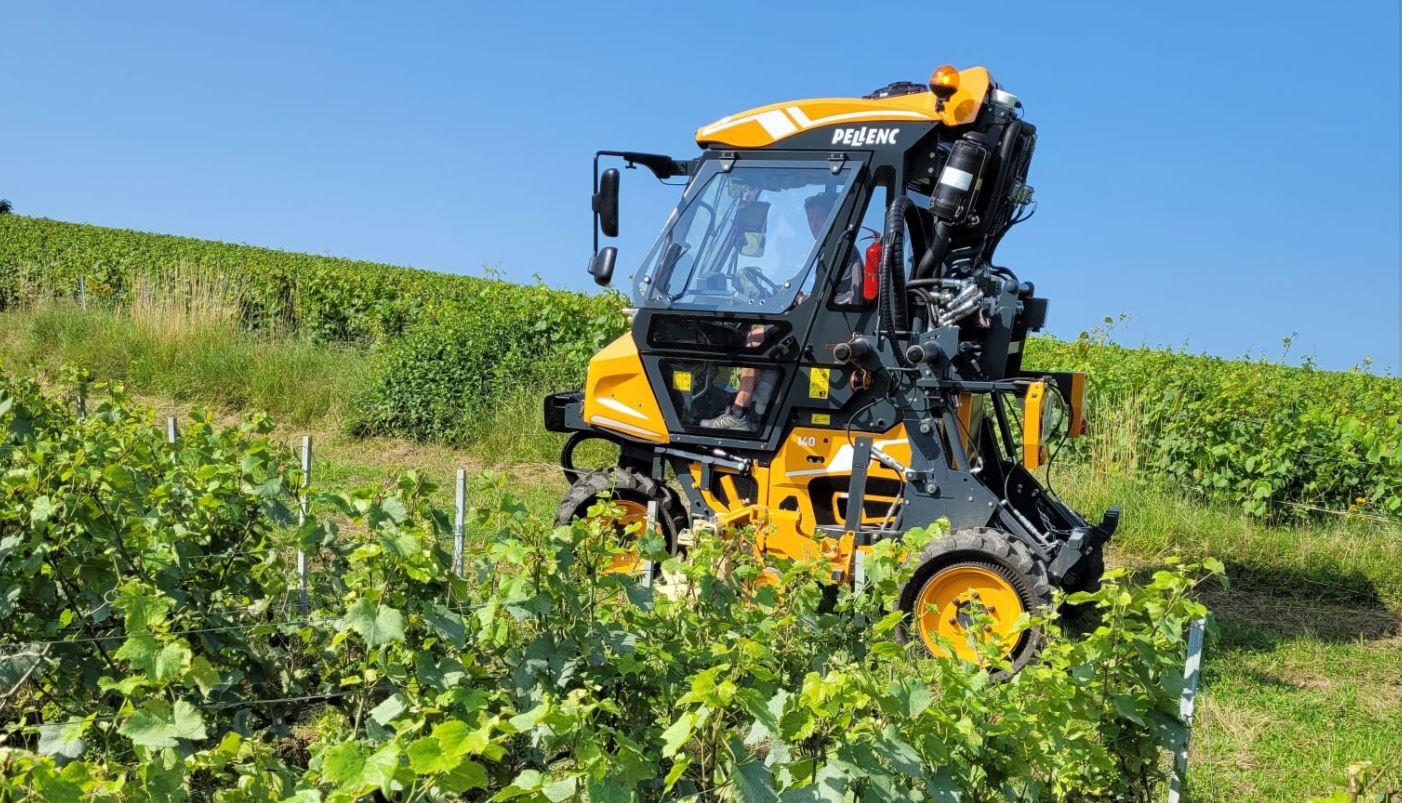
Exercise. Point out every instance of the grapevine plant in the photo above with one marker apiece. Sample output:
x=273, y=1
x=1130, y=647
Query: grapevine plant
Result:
x=155, y=648
x=1282, y=442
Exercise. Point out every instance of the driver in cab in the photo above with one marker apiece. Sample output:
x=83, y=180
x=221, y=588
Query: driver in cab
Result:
x=740, y=415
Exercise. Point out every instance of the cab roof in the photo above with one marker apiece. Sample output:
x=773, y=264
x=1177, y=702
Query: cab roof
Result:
x=766, y=125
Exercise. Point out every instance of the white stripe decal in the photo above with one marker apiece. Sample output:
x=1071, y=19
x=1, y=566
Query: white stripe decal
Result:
x=877, y=116
x=620, y=407
x=797, y=114
x=776, y=124
x=729, y=122
x=609, y=422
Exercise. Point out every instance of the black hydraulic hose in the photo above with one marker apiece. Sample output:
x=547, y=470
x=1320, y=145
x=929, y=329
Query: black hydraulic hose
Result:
x=895, y=310
x=935, y=254
x=915, y=224
x=1007, y=147
x=1004, y=272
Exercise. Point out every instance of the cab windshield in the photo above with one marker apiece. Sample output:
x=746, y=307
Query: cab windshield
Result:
x=745, y=239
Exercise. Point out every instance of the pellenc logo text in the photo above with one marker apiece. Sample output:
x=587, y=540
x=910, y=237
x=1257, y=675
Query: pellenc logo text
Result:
x=856, y=137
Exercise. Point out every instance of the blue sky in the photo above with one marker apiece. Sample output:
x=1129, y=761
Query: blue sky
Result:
x=1225, y=173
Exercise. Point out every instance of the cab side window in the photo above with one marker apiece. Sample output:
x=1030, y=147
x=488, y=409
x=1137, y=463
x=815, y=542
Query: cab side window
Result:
x=847, y=292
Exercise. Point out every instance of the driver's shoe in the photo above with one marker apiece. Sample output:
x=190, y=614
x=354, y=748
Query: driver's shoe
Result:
x=729, y=421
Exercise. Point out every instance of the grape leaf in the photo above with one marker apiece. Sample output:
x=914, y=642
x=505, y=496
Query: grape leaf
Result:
x=342, y=763
x=426, y=757
x=377, y=625
x=156, y=724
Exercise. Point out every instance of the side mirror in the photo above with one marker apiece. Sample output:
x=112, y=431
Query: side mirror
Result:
x=606, y=202
x=601, y=265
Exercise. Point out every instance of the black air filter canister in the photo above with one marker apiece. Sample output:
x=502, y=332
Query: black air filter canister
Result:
x=959, y=180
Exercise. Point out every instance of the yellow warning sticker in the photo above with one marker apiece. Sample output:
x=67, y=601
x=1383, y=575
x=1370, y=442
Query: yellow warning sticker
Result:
x=822, y=418
x=681, y=380
x=818, y=379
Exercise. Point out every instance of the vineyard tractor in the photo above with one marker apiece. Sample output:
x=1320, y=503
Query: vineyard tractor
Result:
x=823, y=352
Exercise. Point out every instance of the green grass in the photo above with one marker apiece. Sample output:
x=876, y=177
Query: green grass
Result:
x=179, y=360
x=201, y=359
x=1353, y=560
x=1284, y=713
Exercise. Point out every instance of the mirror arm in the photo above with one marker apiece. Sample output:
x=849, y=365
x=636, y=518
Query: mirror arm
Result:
x=594, y=202
x=661, y=165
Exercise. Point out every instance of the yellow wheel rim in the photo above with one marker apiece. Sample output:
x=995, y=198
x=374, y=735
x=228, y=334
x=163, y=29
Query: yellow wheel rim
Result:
x=950, y=601
x=633, y=513
x=768, y=577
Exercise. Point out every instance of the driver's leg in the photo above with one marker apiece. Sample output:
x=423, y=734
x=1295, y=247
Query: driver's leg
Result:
x=749, y=378
x=740, y=414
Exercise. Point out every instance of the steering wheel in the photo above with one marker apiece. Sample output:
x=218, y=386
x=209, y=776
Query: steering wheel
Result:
x=751, y=281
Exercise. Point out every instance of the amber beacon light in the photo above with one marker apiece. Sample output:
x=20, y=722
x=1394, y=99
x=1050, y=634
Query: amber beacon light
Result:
x=944, y=81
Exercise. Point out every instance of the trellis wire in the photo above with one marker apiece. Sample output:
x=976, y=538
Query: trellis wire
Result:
x=307, y=621
x=703, y=792
x=227, y=705
x=38, y=657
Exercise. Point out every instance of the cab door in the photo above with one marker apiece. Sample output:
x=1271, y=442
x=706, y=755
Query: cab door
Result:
x=729, y=293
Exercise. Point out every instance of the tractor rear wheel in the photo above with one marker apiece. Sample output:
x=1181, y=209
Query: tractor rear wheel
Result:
x=974, y=576
x=631, y=492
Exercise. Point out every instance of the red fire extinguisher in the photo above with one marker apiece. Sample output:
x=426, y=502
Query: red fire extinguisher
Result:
x=871, y=271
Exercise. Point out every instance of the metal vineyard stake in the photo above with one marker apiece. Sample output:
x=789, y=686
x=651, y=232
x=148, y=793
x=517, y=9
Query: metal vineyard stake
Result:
x=303, y=510
x=459, y=522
